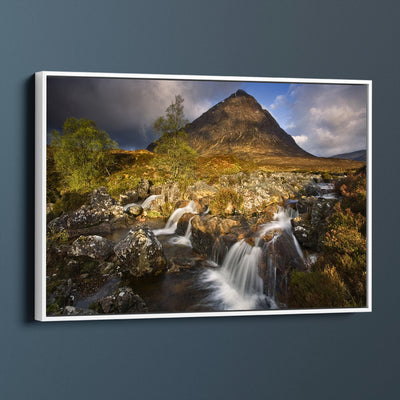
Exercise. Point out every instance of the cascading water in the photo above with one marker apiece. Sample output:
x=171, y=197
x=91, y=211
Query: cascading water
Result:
x=184, y=240
x=147, y=203
x=172, y=222
x=237, y=284
x=281, y=222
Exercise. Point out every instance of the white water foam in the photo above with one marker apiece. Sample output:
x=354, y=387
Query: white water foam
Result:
x=183, y=240
x=236, y=284
x=147, y=203
x=172, y=222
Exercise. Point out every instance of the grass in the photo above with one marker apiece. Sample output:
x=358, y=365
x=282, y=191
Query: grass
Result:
x=129, y=167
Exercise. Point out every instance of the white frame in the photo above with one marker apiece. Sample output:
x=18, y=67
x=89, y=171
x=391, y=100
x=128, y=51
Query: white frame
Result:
x=40, y=196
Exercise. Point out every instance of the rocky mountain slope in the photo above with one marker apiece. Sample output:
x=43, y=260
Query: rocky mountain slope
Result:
x=239, y=125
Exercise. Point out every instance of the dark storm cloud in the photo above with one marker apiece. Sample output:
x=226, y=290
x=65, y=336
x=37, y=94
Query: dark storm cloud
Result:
x=127, y=108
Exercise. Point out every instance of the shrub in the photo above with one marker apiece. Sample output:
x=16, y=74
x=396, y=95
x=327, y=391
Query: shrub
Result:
x=226, y=202
x=316, y=289
x=353, y=192
x=69, y=201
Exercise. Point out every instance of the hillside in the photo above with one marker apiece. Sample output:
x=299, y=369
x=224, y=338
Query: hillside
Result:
x=360, y=155
x=239, y=126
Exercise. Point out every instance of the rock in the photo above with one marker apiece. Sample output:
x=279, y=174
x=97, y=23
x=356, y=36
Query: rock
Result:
x=93, y=246
x=311, y=225
x=123, y=301
x=140, y=253
x=200, y=190
x=99, y=198
x=75, y=311
x=131, y=196
x=134, y=210
x=206, y=229
x=281, y=258
x=100, y=217
x=221, y=247
x=171, y=193
x=143, y=189
x=57, y=254
x=62, y=295
x=183, y=224
x=312, y=189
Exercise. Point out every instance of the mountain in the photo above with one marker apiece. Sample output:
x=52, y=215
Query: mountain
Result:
x=239, y=125
x=360, y=155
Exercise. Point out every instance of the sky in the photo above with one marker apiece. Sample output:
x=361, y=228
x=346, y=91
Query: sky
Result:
x=323, y=119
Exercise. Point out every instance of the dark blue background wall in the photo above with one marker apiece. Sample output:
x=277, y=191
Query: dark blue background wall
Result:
x=352, y=356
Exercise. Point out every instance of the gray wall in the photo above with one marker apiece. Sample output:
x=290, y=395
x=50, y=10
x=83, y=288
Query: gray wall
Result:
x=353, y=356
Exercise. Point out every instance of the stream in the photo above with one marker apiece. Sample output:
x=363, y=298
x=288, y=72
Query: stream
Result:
x=231, y=282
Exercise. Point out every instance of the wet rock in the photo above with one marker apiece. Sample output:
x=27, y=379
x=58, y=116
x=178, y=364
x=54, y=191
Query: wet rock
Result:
x=123, y=301
x=140, y=253
x=134, y=210
x=206, y=229
x=93, y=246
x=183, y=223
x=312, y=189
x=281, y=258
x=221, y=247
x=311, y=225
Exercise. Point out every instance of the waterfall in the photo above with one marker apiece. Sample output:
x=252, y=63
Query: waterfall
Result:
x=237, y=284
x=147, y=203
x=172, y=222
x=183, y=240
x=281, y=222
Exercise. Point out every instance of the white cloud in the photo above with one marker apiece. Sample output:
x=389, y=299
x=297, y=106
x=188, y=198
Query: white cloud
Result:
x=301, y=139
x=326, y=119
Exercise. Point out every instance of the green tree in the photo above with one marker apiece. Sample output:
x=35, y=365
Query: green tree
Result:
x=174, y=120
x=176, y=156
x=80, y=152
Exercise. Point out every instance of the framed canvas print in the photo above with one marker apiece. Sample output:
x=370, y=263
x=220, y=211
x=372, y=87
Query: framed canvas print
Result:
x=186, y=196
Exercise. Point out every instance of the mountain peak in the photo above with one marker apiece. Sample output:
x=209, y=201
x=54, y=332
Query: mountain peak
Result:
x=239, y=125
x=241, y=92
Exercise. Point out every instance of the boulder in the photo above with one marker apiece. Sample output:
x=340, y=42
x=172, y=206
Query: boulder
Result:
x=131, y=196
x=100, y=216
x=183, y=224
x=312, y=189
x=140, y=253
x=311, y=225
x=134, y=209
x=281, y=258
x=206, y=229
x=123, y=301
x=100, y=198
x=93, y=246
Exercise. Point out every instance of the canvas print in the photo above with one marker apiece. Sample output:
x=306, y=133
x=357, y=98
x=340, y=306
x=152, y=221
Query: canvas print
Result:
x=176, y=195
